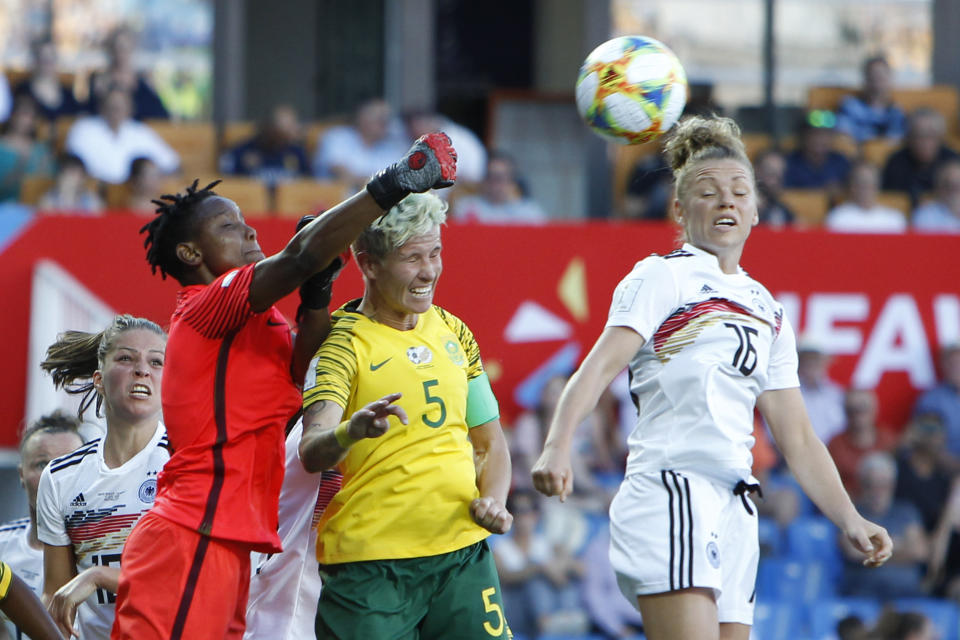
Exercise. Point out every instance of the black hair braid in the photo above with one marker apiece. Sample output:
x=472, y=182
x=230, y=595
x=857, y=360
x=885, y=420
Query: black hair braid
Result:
x=172, y=226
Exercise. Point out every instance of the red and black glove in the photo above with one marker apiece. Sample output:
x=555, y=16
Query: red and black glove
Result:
x=431, y=163
x=316, y=291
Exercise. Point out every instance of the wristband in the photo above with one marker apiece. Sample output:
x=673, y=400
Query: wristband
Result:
x=6, y=577
x=342, y=436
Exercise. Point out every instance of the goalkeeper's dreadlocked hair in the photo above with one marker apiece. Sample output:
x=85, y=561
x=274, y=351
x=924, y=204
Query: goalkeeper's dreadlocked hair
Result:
x=173, y=225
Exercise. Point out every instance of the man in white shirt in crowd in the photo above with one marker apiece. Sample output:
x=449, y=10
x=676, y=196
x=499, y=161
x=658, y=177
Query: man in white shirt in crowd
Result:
x=107, y=143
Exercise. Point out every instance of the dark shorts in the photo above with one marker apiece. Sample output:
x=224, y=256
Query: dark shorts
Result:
x=453, y=595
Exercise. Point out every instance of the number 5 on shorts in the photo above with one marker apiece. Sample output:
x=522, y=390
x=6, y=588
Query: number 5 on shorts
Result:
x=492, y=607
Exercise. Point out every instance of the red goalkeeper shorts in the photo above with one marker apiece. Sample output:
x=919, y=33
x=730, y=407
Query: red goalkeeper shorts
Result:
x=177, y=584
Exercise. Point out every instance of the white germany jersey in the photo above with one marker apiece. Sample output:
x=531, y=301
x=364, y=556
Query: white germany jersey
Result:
x=713, y=343
x=93, y=508
x=285, y=587
x=25, y=561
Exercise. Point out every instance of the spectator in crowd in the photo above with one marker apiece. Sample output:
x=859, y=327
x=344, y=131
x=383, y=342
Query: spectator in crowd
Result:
x=471, y=154
x=275, y=154
x=942, y=214
x=872, y=113
x=923, y=469
x=21, y=154
x=901, y=576
x=107, y=143
x=852, y=627
x=911, y=168
x=609, y=611
x=51, y=436
x=814, y=164
x=860, y=437
x=909, y=625
x=861, y=213
x=52, y=97
x=540, y=581
x=823, y=397
x=121, y=72
x=354, y=153
x=944, y=398
x=530, y=429
x=943, y=569
x=144, y=185
x=71, y=191
x=649, y=189
x=769, y=167
x=501, y=199
x=6, y=100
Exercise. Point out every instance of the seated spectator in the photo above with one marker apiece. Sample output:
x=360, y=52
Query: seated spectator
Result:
x=274, y=154
x=109, y=142
x=872, y=113
x=540, y=582
x=52, y=98
x=911, y=168
x=501, y=199
x=852, y=627
x=471, y=154
x=909, y=625
x=121, y=46
x=814, y=164
x=944, y=398
x=144, y=185
x=70, y=192
x=649, y=189
x=923, y=469
x=860, y=436
x=901, y=576
x=354, y=153
x=942, y=214
x=769, y=168
x=822, y=396
x=860, y=213
x=21, y=154
x=609, y=610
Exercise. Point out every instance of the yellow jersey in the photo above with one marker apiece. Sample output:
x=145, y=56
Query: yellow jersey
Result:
x=407, y=493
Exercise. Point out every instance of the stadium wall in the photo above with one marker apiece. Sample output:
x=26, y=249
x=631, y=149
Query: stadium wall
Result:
x=537, y=298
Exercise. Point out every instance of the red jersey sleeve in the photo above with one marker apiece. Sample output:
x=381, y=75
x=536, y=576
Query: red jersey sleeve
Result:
x=222, y=305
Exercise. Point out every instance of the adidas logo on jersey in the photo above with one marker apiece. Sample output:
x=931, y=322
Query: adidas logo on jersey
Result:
x=707, y=289
x=79, y=501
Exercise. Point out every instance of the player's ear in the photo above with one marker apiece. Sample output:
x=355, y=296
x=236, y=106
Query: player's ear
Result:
x=368, y=264
x=189, y=254
x=97, y=379
x=677, y=211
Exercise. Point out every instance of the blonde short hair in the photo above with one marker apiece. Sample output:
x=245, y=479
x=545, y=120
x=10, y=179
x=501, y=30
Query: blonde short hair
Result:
x=415, y=215
x=700, y=138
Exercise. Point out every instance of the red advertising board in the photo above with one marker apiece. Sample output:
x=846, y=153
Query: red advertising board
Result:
x=537, y=298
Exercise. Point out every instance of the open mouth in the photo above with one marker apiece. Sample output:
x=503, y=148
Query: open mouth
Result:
x=725, y=221
x=421, y=292
x=140, y=391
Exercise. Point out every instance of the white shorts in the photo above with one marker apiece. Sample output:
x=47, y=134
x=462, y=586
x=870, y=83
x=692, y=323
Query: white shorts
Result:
x=673, y=530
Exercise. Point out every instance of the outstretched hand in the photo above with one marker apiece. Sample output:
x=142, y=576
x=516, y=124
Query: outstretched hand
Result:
x=553, y=473
x=872, y=540
x=372, y=421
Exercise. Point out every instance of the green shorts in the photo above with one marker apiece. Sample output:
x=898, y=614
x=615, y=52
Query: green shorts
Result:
x=453, y=595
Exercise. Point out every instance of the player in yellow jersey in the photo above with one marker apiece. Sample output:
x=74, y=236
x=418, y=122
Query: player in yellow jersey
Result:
x=24, y=608
x=402, y=547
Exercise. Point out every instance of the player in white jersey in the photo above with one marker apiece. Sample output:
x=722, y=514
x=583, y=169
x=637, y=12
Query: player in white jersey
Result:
x=89, y=500
x=705, y=345
x=49, y=437
x=285, y=587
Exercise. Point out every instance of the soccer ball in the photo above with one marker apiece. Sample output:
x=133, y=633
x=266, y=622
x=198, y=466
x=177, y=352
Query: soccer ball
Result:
x=631, y=89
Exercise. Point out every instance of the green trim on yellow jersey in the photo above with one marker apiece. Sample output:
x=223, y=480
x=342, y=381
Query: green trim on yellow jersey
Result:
x=407, y=493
